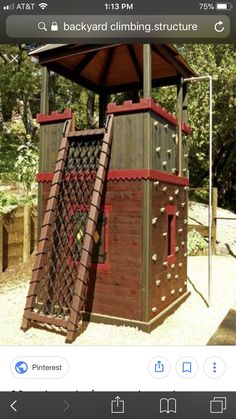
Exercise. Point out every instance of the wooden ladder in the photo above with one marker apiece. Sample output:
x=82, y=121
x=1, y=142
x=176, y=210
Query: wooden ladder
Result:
x=79, y=296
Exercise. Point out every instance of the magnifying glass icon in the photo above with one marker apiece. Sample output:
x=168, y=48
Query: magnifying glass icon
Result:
x=42, y=26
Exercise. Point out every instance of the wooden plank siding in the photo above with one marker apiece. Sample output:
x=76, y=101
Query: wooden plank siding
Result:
x=118, y=291
x=13, y=236
x=129, y=144
x=159, y=247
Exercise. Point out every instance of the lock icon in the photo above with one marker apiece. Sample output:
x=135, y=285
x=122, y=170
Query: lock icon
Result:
x=54, y=26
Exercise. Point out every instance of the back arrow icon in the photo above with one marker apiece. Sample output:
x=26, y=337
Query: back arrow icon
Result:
x=12, y=406
x=67, y=405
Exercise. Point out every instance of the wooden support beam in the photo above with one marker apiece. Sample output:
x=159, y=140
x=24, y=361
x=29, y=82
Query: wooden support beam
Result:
x=214, y=219
x=107, y=66
x=71, y=50
x=44, y=108
x=44, y=100
x=85, y=61
x=1, y=244
x=77, y=78
x=135, y=62
x=147, y=71
x=163, y=51
x=180, y=120
x=27, y=233
x=185, y=103
x=102, y=109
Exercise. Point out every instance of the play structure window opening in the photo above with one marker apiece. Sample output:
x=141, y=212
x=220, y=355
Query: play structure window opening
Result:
x=171, y=231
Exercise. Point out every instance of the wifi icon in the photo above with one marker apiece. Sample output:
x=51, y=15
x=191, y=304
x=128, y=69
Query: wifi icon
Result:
x=43, y=5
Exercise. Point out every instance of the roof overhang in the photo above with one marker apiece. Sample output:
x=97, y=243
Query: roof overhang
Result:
x=112, y=68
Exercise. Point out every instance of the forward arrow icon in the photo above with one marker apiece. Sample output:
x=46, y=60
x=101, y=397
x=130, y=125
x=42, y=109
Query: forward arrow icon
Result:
x=67, y=405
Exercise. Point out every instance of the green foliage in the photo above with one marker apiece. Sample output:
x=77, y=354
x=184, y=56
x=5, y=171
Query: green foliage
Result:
x=219, y=61
x=20, y=100
x=9, y=201
x=196, y=243
x=26, y=164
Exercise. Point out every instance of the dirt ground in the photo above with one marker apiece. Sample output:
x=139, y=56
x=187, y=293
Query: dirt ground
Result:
x=193, y=323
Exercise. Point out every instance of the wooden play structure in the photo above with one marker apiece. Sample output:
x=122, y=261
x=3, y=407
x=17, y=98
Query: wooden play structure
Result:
x=112, y=200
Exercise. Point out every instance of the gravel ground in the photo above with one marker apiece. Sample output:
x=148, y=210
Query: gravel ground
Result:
x=193, y=323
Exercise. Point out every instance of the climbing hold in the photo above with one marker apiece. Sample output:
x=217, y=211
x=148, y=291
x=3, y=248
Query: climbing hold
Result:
x=177, y=214
x=164, y=234
x=185, y=283
x=180, y=264
x=156, y=123
x=176, y=276
x=183, y=243
x=185, y=155
x=156, y=183
x=177, y=248
x=166, y=126
x=162, y=209
x=154, y=220
x=168, y=276
x=165, y=263
x=164, y=189
x=172, y=292
x=176, y=191
x=172, y=266
x=171, y=198
x=163, y=298
x=173, y=135
x=169, y=151
x=158, y=149
x=185, y=255
x=180, y=230
x=186, y=188
x=154, y=257
x=164, y=163
x=185, y=221
x=154, y=309
x=180, y=290
x=173, y=170
x=158, y=282
x=183, y=204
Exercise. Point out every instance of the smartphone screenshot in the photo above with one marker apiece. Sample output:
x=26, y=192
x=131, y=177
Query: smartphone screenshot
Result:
x=117, y=209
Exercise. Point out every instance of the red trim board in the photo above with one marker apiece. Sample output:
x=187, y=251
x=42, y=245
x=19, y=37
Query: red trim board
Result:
x=146, y=104
x=139, y=174
x=54, y=117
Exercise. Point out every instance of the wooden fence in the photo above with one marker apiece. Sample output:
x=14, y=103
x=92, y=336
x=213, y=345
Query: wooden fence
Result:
x=18, y=236
x=204, y=229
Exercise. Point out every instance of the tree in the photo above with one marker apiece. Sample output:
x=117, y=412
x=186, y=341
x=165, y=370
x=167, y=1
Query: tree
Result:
x=219, y=61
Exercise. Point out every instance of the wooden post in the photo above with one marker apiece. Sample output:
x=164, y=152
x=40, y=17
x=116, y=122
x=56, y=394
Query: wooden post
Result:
x=1, y=244
x=147, y=185
x=44, y=108
x=102, y=109
x=214, y=219
x=44, y=99
x=27, y=233
x=185, y=104
x=147, y=71
x=180, y=120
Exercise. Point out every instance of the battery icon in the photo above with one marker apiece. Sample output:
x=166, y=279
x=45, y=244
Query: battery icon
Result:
x=224, y=6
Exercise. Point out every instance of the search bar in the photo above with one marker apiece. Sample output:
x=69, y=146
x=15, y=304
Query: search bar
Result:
x=116, y=26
